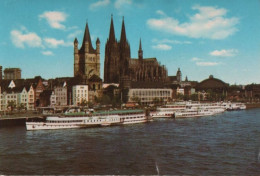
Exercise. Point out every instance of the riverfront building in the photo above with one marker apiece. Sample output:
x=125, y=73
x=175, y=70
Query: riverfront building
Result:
x=79, y=94
x=60, y=91
x=148, y=96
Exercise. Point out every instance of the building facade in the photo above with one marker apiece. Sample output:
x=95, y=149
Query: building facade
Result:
x=53, y=99
x=119, y=64
x=86, y=59
x=148, y=96
x=23, y=99
x=12, y=73
x=79, y=94
x=38, y=90
x=61, y=94
x=31, y=98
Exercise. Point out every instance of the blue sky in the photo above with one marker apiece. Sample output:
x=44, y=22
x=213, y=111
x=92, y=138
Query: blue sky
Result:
x=203, y=37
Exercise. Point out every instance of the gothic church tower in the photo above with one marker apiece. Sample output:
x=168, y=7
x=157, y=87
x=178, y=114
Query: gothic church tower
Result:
x=111, y=67
x=124, y=52
x=117, y=56
x=86, y=59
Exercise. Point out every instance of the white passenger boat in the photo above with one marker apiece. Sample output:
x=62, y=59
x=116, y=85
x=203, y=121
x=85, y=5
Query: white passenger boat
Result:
x=214, y=107
x=193, y=113
x=234, y=106
x=168, y=110
x=83, y=120
x=237, y=106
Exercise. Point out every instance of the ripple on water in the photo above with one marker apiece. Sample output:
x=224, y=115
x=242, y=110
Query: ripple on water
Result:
x=227, y=143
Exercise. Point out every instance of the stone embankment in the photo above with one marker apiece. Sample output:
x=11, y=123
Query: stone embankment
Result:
x=16, y=120
x=252, y=105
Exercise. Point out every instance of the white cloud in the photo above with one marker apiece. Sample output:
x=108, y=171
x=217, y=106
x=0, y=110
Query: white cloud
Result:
x=74, y=34
x=162, y=47
x=120, y=3
x=54, y=43
x=54, y=18
x=209, y=22
x=98, y=4
x=20, y=39
x=171, y=41
x=47, y=53
x=196, y=59
x=224, y=53
x=160, y=12
x=207, y=63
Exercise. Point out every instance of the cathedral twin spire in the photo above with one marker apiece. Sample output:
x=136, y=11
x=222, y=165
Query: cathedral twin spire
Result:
x=112, y=37
x=123, y=34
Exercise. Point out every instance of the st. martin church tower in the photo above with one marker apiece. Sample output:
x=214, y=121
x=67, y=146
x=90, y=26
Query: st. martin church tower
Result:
x=86, y=59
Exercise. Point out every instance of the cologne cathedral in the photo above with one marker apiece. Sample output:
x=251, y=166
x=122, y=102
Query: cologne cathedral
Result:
x=119, y=64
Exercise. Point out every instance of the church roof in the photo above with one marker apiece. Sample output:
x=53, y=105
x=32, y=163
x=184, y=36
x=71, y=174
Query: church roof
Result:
x=150, y=59
x=95, y=78
x=134, y=62
x=172, y=78
x=143, y=84
x=87, y=38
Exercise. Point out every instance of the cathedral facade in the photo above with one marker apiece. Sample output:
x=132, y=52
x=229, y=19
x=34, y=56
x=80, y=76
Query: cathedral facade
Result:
x=119, y=64
x=86, y=59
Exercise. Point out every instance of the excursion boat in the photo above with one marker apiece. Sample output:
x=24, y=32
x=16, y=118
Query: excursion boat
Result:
x=234, y=106
x=83, y=119
x=193, y=113
x=168, y=110
x=215, y=108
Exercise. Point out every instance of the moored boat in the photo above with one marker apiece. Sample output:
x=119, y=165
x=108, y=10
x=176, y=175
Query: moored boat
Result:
x=193, y=113
x=168, y=110
x=79, y=119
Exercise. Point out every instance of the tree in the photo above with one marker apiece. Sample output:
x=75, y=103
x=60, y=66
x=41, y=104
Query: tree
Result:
x=186, y=97
x=21, y=106
x=194, y=97
x=105, y=99
x=156, y=101
x=84, y=103
x=136, y=100
x=180, y=96
x=11, y=105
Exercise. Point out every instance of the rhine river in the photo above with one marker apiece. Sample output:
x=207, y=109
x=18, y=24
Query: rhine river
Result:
x=223, y=144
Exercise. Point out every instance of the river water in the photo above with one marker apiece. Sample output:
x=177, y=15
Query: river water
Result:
x=227, y=143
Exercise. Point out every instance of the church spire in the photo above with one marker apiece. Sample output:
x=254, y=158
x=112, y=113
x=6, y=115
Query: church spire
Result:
x=87, y=38
x=140, y=45
x=112, y=31
x=140, y=51
x=123, y=34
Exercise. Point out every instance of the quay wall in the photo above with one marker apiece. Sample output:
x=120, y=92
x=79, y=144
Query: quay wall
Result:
x=9, y=121
x=252, y=105
x=12, y=122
